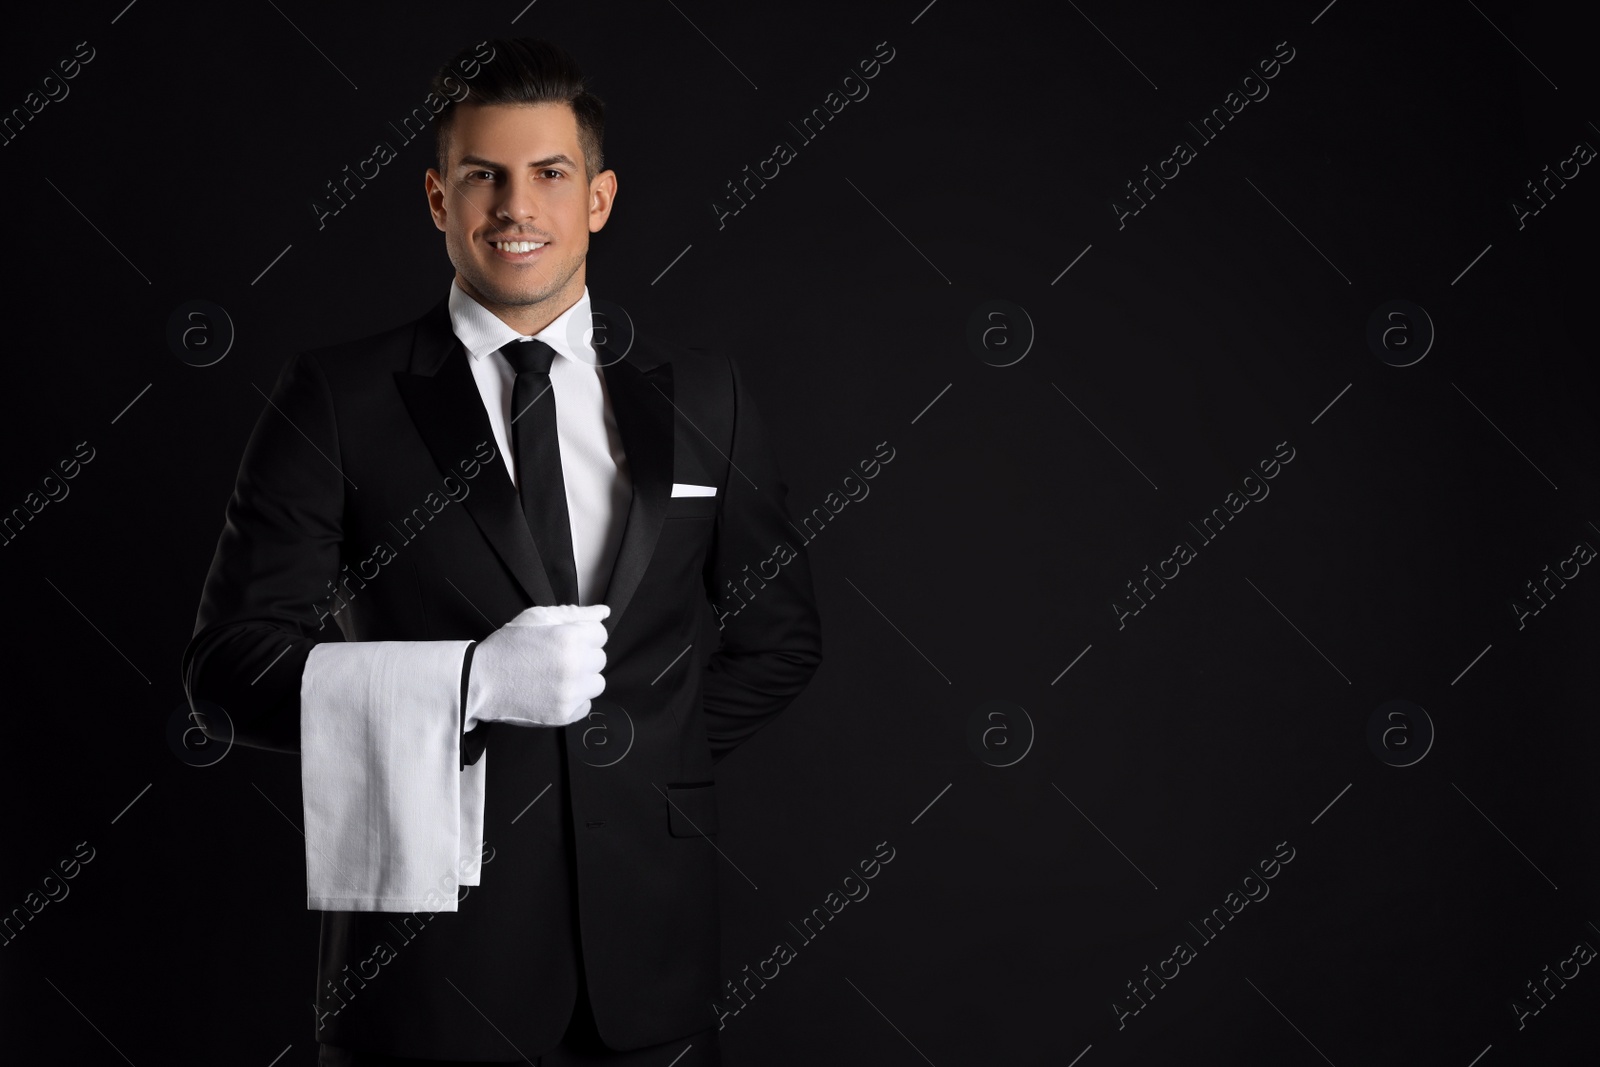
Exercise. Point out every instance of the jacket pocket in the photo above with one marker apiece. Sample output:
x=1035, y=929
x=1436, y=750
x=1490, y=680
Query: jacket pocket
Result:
x=692, y=809
x=692, y=507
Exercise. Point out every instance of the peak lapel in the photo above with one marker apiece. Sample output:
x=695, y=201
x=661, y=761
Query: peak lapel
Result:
x=640, y=387
x=444, y=403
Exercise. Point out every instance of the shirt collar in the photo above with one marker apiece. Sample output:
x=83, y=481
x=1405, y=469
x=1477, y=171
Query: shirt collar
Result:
x=481, y=331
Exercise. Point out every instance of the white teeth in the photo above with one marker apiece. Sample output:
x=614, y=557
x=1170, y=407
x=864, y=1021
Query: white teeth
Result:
x=517, y=246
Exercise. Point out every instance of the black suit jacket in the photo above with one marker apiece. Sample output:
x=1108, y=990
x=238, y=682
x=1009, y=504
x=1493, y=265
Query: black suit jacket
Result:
x=371, y=505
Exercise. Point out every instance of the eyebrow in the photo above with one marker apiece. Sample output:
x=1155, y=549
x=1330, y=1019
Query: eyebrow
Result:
x=479, y=161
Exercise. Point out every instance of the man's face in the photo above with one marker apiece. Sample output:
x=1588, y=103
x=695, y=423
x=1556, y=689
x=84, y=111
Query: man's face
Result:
x=516, y=174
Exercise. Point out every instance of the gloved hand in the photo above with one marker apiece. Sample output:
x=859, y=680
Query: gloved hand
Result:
x=540, y=669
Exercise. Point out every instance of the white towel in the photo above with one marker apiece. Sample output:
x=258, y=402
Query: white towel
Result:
x=393, y=822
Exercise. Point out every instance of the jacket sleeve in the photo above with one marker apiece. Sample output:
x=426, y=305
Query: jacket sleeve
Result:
x=271, y=595
x=758, y=579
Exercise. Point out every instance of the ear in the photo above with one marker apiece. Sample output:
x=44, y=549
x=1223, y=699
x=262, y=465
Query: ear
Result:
x=433, y=185
x=602, y=196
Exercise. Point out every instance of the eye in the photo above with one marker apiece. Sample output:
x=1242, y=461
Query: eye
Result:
x=552, y=170
x=476, y=173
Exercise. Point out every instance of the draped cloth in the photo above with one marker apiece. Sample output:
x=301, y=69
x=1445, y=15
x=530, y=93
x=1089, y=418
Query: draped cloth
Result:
x=393, y=822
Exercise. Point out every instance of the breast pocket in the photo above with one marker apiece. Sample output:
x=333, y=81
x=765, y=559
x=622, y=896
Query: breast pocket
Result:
x=691, y=507
x=692, y=810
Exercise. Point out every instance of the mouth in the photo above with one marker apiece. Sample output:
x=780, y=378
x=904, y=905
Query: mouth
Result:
x=517, y=251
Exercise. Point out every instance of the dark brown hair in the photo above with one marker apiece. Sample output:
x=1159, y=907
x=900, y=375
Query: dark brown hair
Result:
x=520, y=70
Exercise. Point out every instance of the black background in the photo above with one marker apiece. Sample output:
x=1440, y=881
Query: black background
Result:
x=1228, y=716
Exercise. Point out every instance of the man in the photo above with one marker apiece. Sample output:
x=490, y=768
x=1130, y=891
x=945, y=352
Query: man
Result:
x=478, y=501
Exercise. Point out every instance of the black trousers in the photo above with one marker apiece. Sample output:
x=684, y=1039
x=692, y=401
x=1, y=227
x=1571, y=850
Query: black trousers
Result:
x=581, y=1045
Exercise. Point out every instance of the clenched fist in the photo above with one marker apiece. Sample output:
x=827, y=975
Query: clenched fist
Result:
x=540, y=669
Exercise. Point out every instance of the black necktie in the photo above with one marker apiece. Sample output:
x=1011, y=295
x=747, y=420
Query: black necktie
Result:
x=539, y=480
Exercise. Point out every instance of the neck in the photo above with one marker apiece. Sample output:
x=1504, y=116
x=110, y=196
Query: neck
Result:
x=529, y=319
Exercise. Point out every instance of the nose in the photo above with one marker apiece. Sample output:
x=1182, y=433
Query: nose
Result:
x=519, y=202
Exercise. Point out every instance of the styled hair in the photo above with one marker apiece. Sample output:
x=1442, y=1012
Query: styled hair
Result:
x=519, y=70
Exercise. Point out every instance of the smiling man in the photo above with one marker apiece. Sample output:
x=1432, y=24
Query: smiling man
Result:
x=507, y=740
x=517, y=229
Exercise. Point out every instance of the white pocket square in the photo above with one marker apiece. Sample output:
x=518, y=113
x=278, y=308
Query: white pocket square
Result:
x=684, y=489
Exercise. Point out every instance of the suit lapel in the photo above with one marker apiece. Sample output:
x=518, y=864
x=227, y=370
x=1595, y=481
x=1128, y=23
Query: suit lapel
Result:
x=640, y=387
x=443, y=400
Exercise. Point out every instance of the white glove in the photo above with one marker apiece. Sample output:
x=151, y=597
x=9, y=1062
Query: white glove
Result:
x=540, y=669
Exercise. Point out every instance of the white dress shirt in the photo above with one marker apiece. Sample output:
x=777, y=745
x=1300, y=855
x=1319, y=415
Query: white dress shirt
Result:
x=593, y=466
x=392, y=821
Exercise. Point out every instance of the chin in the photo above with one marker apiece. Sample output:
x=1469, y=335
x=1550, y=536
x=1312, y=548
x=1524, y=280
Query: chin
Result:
x=513, y=296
